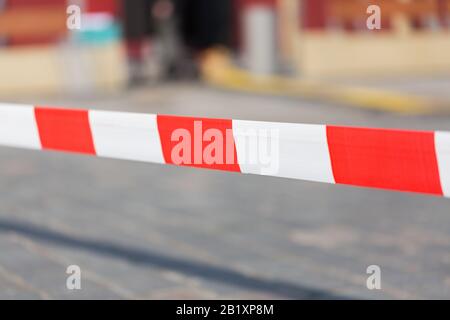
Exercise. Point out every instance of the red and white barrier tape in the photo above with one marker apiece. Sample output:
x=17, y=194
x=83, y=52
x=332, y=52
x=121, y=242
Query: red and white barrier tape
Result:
x=414, y=161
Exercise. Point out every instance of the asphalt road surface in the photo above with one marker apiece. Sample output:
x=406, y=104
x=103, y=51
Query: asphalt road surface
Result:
x=140, y=230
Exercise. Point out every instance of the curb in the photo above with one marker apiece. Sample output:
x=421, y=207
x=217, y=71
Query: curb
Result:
x=218, y=70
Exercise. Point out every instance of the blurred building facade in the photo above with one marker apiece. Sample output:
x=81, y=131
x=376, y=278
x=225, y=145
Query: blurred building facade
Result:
x=310, y=38
x=40, y=54
x=330, y=37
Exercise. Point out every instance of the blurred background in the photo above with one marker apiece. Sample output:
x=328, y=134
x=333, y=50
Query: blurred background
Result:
x=169, y=39
x=148, y=231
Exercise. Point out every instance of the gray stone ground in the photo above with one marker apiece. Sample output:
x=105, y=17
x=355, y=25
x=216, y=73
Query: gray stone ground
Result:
x=150, y=231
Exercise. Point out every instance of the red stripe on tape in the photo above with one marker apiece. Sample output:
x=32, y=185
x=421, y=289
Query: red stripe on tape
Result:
x=65, y=130
x=198, y=142
x=388, y=159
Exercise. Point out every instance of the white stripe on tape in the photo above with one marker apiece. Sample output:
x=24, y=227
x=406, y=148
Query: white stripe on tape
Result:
x=18, y=126
x=124, y=135
x=442, y=144
x=298, y=151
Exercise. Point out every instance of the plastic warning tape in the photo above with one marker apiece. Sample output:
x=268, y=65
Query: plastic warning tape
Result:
x=402, y=160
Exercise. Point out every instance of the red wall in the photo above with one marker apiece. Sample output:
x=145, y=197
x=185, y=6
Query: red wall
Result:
x=313, y=14
x=111, y=6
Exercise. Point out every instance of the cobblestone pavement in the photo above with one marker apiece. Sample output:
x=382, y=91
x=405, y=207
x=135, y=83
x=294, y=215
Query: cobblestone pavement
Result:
x=150, y=231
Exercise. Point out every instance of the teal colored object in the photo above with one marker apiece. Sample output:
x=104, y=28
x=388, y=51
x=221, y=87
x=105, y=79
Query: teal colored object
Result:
x=111, y=33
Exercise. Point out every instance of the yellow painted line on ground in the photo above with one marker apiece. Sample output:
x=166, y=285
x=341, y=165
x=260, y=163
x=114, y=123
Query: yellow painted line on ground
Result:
x=219, y=70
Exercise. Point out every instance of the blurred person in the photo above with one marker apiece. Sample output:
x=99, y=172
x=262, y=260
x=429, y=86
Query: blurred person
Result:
x=137, y=28
x=206, y=23
x=164, y=37
x=167, y=46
